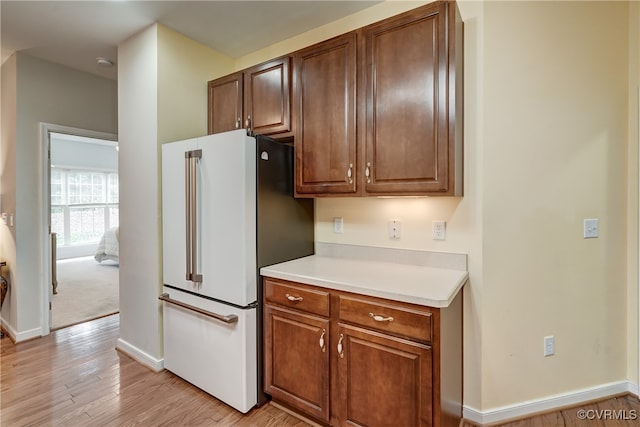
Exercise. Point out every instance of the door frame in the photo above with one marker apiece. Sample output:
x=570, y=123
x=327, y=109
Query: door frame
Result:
x=45, y=219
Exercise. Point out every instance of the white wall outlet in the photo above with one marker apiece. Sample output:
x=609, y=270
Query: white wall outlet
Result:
x=591, y=228
x=394, y=229
x=439, y=229
x=549, y=346
x=338, y=225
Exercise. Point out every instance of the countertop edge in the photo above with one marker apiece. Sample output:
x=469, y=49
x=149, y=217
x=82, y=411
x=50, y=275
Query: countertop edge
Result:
x=273, y=272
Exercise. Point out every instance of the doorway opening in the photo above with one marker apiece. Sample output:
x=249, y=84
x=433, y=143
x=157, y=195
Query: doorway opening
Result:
x=81, y=243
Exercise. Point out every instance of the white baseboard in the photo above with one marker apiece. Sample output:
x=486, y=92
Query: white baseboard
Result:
x=140, y=356
x=20, y=336
x=524, y=409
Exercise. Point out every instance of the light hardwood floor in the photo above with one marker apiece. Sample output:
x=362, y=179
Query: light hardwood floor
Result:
x=75, y=377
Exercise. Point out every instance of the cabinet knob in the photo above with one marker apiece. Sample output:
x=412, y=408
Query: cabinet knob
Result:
x=238, y=123
x=367, y=172
x=350, y=173
x=247, y=123
x=340, y=352
x=293, y=299
x=321, y=342
x=379, y=318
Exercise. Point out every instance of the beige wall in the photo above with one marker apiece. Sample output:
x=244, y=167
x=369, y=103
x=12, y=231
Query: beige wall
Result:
x=546, y=145
x=184, y=68
x=49, y=93
x=633, y=218
x=555, y=101
x=8, y=97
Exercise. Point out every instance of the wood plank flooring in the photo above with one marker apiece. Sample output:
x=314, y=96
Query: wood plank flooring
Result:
x=75, y=377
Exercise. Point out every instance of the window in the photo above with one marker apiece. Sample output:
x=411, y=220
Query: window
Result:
x=84, y=204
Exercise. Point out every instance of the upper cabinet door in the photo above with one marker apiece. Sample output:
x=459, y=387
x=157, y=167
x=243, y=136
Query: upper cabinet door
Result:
x=405, y=62
x=225, y=103
x=267, y=97
x=324, y=105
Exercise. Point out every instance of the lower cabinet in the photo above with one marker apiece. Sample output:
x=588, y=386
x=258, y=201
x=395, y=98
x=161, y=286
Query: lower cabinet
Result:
x=341, y=358
x=383, y=380
x=297, y=360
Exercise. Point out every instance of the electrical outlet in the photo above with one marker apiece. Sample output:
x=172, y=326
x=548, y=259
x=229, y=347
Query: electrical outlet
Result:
x=439, y=230
x=549, y=346
x=394, y=229
x=338, y=225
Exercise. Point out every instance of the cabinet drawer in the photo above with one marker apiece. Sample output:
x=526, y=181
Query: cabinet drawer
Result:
x=406, y=322
x=299, y=298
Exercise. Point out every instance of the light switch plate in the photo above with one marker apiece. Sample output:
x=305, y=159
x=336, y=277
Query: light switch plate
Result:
x=591, y=228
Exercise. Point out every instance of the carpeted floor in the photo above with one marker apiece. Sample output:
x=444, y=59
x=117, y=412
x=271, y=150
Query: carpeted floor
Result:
x=86, y=290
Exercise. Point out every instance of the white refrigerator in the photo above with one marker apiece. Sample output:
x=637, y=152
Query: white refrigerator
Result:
x=227, y=210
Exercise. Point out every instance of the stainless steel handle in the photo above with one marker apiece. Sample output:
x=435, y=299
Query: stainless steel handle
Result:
x=367, y=172
x=195, y=276
x=321, y=342
x=187, y=213
x=350, y=173
x=230, y=318
x=379, y=318
x=292, y=298
x=191, y=215
x=340, y=352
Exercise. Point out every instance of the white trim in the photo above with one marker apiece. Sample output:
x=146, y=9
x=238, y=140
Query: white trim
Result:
x=528, y=408
x=45, y=128
x=140, y=356
x=19, y=336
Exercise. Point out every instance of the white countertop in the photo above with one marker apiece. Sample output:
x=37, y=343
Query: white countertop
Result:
x=417, y=284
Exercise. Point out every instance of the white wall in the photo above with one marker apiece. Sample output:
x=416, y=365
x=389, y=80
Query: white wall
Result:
x=50, y=93
x=162, y=92
x=140, y=321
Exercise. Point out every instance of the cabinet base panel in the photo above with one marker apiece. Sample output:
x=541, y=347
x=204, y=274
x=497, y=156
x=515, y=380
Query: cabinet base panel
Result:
x=296, y=414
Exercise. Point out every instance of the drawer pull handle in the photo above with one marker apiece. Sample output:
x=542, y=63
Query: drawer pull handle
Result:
x=379, y=318
x=340, y=352
x=294, y=299
x=322, y=346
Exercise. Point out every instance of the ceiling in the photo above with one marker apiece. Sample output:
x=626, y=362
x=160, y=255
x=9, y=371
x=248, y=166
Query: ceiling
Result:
x=75, y=33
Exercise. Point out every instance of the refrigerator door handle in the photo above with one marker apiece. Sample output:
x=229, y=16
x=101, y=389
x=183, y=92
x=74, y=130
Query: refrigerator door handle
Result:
x=229, y=319
x=187, y=214
x=195, y=276
x=191, y=214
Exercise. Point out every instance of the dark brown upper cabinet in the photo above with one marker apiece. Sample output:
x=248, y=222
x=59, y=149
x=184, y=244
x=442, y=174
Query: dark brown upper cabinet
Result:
x=409, y=85
x=324, y=105
x=385, y=119
x=257, y=99
x=225, y=103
